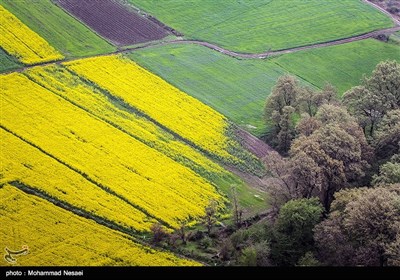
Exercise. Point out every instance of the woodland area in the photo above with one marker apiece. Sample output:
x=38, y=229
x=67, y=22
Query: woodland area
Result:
x=333, y=184
x=336, y=191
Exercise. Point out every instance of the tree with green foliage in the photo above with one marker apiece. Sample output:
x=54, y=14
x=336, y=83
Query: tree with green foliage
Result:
x=335, y=156
x=293, y=230
x=248, y=257
x=279, y=106
x=389, y=172
x=387, y=136
x=308, y=260
x=376, y=96
x=237, y=210
x=362, y=228
x=210, y=217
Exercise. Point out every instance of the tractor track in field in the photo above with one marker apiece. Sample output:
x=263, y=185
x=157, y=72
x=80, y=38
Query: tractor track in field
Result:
x=241, y=55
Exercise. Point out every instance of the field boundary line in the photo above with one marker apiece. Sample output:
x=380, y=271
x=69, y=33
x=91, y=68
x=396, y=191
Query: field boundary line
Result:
x=217, y=48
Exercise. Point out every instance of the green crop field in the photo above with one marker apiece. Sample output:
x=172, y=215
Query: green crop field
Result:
x=342, y=65
x=7, y=62
x=260, y=25
x=238, y=88
x=58, y=28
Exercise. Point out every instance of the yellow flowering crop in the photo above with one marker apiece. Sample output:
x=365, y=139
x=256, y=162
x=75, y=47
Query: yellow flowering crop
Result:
x=146, y=178
x=20, y=41
x=64, y=83
x=56, y=237
x=179, y=112
x=26, y=164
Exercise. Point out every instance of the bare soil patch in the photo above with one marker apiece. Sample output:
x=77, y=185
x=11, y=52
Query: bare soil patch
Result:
x=114, y=21
x=256, y=146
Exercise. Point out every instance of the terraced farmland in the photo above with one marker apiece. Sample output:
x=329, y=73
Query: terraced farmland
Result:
x=114, y=21
x=56, y=237
x=23, y=43
x=259, y=25
x=63, y=32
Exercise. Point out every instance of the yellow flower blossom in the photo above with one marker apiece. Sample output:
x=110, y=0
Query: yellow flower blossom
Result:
x=56, y=237
x=71, y=87
x=26, y=164
x=152, y=182
x=151, y=95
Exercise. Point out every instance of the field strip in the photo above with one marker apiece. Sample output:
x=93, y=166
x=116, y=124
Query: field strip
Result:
x=56, y=236
x=66, y=206
x=225, y=51
x=85, y=176
x=123, y=117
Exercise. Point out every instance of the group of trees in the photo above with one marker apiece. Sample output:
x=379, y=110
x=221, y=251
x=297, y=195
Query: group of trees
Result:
x=335, y=184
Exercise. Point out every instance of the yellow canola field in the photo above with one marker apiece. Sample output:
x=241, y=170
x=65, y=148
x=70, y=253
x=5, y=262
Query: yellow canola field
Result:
x=145, y=177
x=71, y=87
x=20, y=41
x=153, y=96
x=24, y=163
x=56, y=237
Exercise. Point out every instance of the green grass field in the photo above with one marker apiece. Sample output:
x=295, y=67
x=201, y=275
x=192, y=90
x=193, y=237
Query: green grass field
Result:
x=61, y=30
x=342, y=65
x=260, y=25
x=238, y=88
x=7, y=62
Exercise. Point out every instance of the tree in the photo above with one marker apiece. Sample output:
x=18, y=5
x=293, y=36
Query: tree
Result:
x=293, y=230
x=389, y=173
x=210, y=218
x=376, y=96
x=237, y=211
x=248, y=257
x=385, y=82
x=387, y=136
x=287, y=131
x=338, y=115
x=308, y=260
x=332, y=175
x=307, y=125
x=309, y=100
x=362, y=228
x=366, y=106
x=293, y=178
x=158, y=232
x=284, y=94
x=182, y=232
